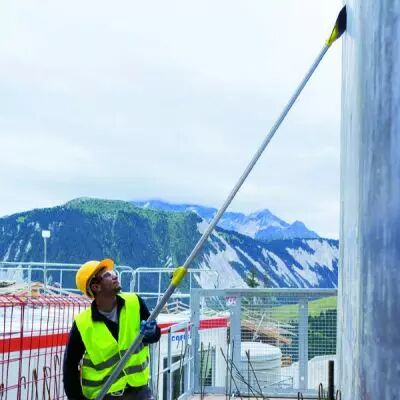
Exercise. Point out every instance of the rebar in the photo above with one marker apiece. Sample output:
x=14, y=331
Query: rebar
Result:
x=234, y=381
x=201, y=370
x=46, y=385
x=255, y=375
x=206, y=367
x=242, y=379
x=227, y=372
x=56, y=381
x=35, y=384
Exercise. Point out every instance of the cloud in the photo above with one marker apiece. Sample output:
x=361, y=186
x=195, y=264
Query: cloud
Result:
x=169, y=100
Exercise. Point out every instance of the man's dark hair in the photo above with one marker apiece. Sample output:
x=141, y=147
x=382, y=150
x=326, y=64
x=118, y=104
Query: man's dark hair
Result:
x=93, y=281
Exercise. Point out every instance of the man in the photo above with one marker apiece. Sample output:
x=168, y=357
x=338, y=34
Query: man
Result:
x=102, y=333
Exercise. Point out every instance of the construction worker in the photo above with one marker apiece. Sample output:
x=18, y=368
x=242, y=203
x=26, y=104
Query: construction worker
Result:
x=102, y=333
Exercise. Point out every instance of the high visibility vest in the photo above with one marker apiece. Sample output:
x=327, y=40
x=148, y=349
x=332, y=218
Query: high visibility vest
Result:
x=103, y=352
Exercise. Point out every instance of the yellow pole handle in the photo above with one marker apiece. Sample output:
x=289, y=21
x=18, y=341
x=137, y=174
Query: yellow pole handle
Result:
x=178, y=275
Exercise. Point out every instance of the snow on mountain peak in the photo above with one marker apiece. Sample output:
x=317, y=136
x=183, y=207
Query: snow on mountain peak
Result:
x=260, y=225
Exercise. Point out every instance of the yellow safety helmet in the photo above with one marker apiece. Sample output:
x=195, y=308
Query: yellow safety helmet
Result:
x=87, y=271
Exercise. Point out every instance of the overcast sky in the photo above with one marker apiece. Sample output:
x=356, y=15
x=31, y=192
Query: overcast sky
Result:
x=170, y=99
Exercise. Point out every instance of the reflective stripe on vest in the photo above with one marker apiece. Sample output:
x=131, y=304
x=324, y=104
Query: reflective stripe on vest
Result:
x=130, y=370
x=103, y=352
x=110, y=362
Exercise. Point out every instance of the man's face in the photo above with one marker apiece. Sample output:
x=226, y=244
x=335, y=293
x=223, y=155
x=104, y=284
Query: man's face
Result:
x=106, y=281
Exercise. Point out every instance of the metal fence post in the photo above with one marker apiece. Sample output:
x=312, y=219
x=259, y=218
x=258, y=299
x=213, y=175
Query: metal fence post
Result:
x=153, y=368
x=186, y=369
x=195, y=359
x=29, y=279
x=331, y=380
x=169, y=372
x=303, y=343
x=235, y=331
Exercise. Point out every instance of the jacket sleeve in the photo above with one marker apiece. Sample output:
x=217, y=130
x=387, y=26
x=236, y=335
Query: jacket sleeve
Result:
x=144, y=314
x=73, y=354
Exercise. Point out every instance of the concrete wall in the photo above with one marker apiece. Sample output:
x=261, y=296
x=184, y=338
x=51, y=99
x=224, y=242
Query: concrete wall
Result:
x=369, y=282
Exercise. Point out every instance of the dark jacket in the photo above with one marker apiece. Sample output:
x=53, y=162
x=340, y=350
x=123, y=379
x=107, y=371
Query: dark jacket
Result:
x=75, y=348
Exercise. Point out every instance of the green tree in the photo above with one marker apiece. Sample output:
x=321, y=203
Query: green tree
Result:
x=251, y=279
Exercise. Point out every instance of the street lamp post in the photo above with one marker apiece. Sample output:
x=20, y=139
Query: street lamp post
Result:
x=45, y=236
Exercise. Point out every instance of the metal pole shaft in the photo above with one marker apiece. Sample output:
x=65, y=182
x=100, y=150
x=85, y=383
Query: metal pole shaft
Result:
x=45, y=263
x=254, y=160
x=331, y=380
x=213, y=223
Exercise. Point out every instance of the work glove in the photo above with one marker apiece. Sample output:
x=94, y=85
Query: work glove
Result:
x=148, y=328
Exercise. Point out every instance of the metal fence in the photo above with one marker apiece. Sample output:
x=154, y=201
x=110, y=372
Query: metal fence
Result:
x=171, y=362
x=274, y=342
x=52, y=278
x=160, y=279
x=149, y=282
x=33, y=334
x=238, y=341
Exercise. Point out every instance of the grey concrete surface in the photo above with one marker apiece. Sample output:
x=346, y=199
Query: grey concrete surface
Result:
x=369, y=282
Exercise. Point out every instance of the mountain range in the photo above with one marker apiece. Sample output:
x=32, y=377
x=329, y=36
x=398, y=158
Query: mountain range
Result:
x=261, y=225
x=85, y=228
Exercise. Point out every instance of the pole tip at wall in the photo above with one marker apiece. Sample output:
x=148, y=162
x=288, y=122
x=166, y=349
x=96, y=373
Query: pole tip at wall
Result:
x=341, y=21
x=340, y=26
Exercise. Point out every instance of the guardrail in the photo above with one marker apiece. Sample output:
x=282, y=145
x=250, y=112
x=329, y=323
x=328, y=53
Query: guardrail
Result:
x=171, y=370
x=55, y=278
x=59, y=278
x=194, y=278
x=277, y=341
x=32, y=343
x=246, y=341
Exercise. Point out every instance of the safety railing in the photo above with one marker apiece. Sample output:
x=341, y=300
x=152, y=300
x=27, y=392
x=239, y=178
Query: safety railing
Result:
x=160, y=278
x=276, y=342
x=171, y=362
x=33, y=334
x=59, y=278
x=248, y=341
x=53, y=278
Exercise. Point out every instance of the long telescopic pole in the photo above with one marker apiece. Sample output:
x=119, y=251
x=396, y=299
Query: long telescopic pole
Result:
x=180, y=272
